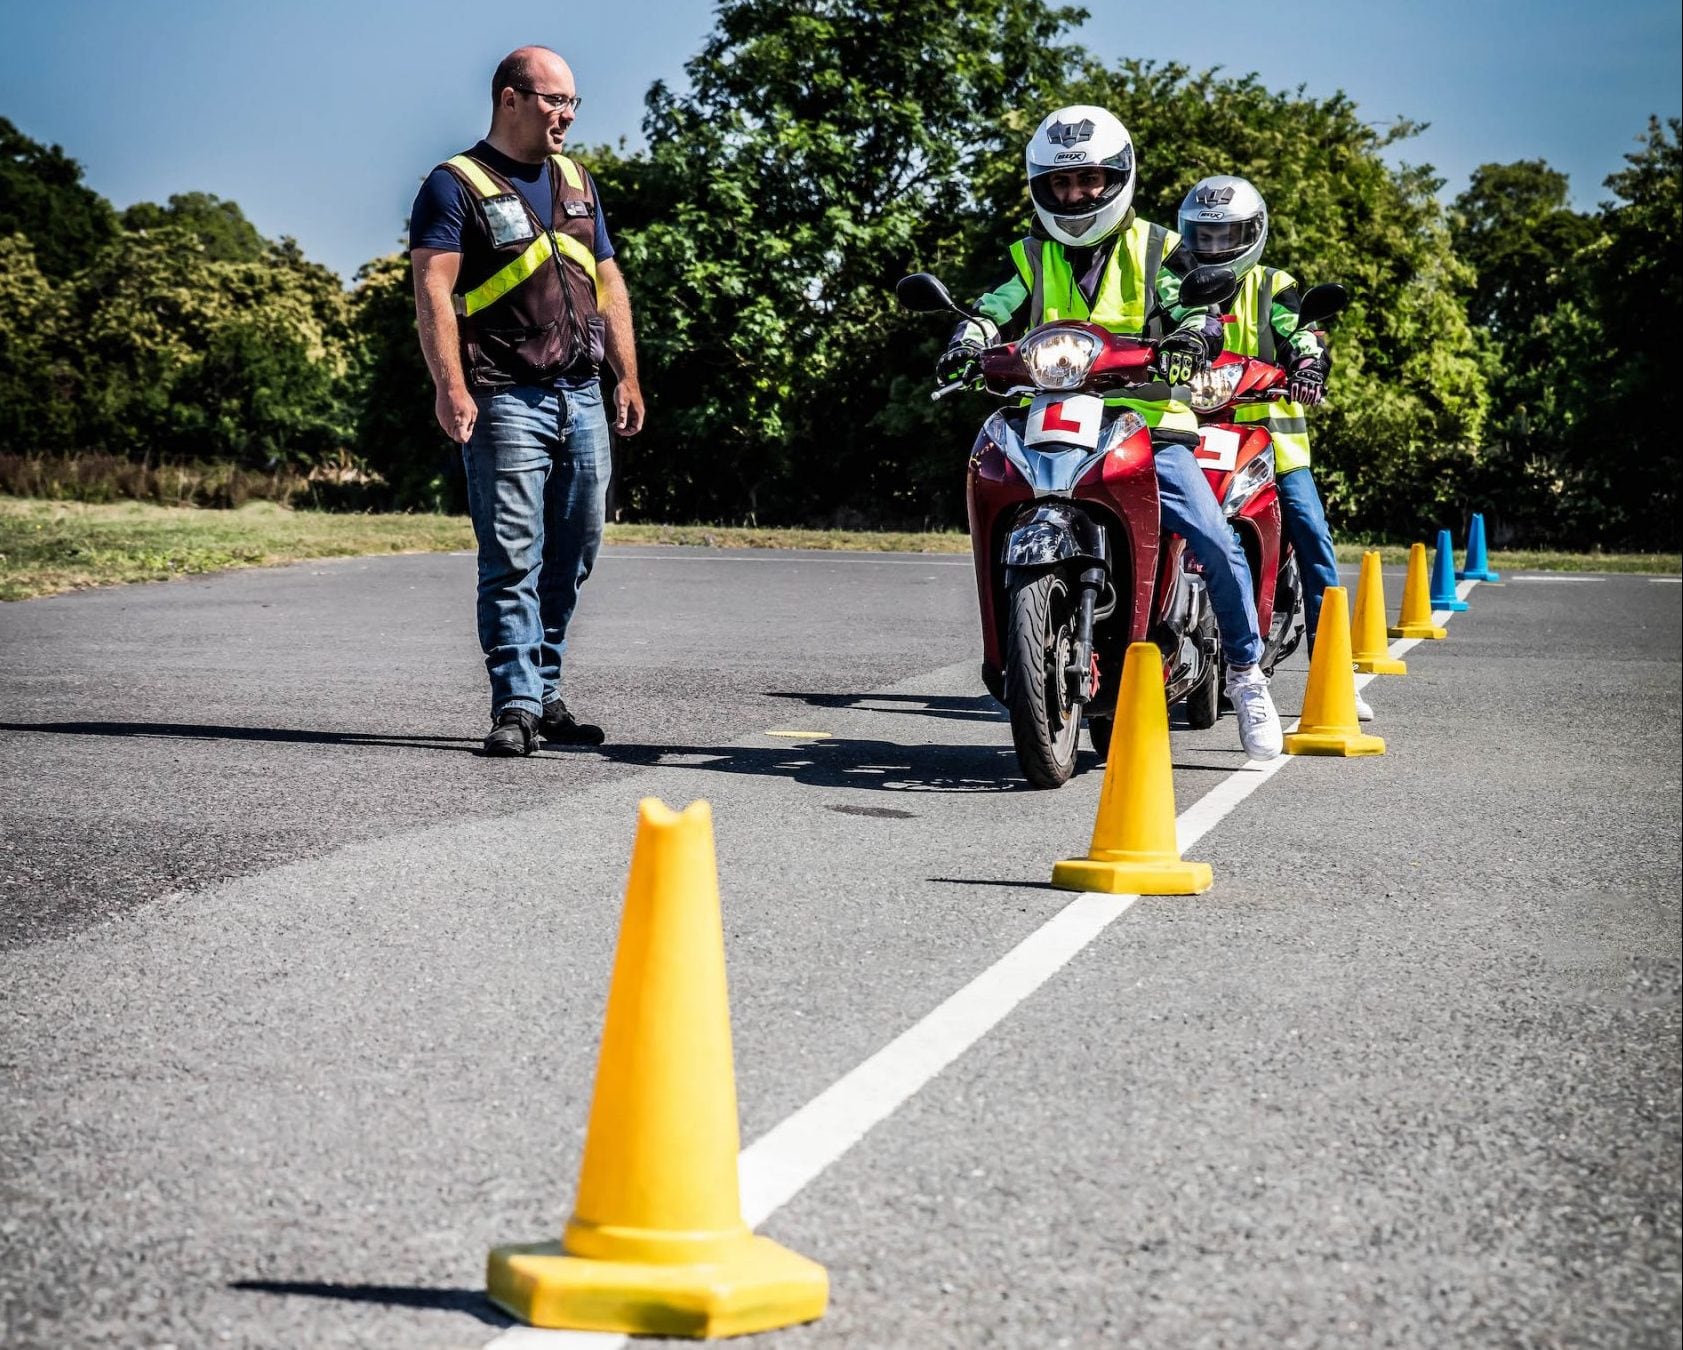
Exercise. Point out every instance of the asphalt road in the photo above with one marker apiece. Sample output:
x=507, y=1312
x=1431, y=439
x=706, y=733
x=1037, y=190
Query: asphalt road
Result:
x=301, y=996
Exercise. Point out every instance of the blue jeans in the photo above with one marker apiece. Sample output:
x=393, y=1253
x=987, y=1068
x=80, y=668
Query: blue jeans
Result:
x=538, y=466
x=1191, y=510
x=1306, y=526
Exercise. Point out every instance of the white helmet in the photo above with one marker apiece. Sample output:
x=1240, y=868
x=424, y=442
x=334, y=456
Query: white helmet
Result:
x=1080, y=137
x=1224, y=222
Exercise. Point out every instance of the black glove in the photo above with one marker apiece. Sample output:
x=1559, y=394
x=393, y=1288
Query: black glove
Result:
x=1180, y=355
x=1307, y=383
x=959, y=364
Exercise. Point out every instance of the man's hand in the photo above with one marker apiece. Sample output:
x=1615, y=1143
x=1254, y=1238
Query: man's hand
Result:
x=1307, y=383
x=456, y=412
x=1179, y=355
x=959, y=364
x=628, y=408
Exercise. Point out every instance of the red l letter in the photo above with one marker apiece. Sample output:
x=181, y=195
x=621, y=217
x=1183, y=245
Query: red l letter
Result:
x=1054, y=421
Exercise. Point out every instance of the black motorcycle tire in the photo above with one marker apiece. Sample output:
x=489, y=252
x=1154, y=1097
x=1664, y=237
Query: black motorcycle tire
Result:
x=1200, y=705
x=1040, y=632
x=1098, y=732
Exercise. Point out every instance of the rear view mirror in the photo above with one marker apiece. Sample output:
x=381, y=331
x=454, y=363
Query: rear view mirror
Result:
x=1207, y=285
x=1321, y=302
x=923, y=293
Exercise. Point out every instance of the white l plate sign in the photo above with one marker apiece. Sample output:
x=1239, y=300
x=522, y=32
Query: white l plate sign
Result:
x=1069, y=419
x=1218, y=448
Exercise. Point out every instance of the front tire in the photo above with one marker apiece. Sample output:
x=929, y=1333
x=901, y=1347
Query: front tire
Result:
x=1039, y=642
x=1098, y=732
x=1201, y=710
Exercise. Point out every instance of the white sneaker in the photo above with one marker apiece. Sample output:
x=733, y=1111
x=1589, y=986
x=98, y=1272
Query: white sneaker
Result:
x=1259, y=724
x=1363, y=712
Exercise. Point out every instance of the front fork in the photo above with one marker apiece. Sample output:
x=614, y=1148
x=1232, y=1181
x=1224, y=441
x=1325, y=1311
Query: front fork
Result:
x=1083, y=669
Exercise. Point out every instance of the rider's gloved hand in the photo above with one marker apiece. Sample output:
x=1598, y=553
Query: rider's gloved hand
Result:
x=1179, y=355
x=1307, y=382
x=959, y=364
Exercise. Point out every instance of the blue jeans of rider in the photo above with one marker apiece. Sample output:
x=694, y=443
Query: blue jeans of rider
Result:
x=1190, y=509
x=1306, y=526
x=538, y=466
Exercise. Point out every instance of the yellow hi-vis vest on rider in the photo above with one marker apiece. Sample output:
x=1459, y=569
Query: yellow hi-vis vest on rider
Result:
x=1251, y=333
x=1123, y=300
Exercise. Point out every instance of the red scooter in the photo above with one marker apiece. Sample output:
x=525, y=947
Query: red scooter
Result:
x=1071, y=563
x=1238, y=460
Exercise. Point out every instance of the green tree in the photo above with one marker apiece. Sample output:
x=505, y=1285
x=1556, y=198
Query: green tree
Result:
x=1513, y=227
x=42, y=197
x=220, y=226
x=822, y=147
x=1583, y=380
x=397, y=436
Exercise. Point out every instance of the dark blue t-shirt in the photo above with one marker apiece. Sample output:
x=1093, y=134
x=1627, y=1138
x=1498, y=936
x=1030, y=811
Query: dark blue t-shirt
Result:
x=442, y=205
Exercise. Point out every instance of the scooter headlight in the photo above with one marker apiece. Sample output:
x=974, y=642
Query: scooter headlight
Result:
x=1214, y=385
x=1059, y=358
x=1249, y=481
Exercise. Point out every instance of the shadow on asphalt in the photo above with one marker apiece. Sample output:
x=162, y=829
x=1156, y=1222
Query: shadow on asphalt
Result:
x=470, y=1301
x=882, y=766
x=193, y=731
x=979, y=707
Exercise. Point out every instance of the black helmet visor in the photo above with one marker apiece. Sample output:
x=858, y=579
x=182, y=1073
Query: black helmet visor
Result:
x=1220, y=241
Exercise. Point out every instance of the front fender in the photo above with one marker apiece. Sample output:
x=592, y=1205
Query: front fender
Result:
x=1053, y=532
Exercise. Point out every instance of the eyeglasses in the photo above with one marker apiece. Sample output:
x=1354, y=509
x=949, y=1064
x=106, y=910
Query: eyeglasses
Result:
x=559, y=102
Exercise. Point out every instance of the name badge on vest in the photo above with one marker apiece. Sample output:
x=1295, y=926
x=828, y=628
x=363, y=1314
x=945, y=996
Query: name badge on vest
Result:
x=576, y=208
x=508, y=220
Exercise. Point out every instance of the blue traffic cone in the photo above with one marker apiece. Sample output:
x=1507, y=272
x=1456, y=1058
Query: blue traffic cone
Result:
x=1478, y=562
x=1443, y=577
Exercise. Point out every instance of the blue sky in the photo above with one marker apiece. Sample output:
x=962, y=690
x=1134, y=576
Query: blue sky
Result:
x=320, y=116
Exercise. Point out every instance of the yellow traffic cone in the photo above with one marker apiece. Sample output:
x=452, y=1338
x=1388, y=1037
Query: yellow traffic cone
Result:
x=1134, y=850
x=657, y=1244
x=1415, y=621
x=1328, y=725
x=1367, y=629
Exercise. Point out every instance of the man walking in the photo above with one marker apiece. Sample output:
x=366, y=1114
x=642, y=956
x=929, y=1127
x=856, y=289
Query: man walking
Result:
x=518, y=300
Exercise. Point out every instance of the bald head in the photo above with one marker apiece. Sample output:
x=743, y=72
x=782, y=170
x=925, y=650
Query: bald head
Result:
x=523, y=124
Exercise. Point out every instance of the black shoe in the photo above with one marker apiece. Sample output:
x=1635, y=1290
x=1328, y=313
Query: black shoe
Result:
x=516, y=733
x=558, y=725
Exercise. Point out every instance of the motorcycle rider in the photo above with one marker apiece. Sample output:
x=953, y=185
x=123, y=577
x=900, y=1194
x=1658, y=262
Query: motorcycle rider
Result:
x=1224, y=222
x=1090, y=257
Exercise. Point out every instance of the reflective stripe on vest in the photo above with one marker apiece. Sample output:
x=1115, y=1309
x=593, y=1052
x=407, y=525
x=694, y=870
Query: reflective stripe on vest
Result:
x=1126, y=287
x=500, y=283
x=1252, y=334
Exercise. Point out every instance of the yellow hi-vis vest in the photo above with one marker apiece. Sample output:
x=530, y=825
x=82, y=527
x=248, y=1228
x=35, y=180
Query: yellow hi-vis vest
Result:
x=1123, y=301
x=1251, y=333
x=518, y=269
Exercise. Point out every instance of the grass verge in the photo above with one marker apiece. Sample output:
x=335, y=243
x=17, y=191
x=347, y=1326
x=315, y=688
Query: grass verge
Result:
x=47, y=547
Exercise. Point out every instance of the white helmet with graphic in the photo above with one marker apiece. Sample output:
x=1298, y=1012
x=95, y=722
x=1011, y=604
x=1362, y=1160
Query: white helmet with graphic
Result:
x=1081, y=137
x=1224, y=222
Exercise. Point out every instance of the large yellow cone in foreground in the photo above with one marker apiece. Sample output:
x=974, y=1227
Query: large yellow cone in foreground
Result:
x=657, y=1244
x=1415, y=621
x=1367, y=628
x=1134, y=850
x=1328, y=725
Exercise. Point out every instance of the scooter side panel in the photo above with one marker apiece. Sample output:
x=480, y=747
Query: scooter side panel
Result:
x=994, y=490
x=1125, y=484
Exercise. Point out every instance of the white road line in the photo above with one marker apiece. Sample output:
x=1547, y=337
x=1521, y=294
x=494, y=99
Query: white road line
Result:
x=1665, y=581
x=1561, y=576
x=780, y=1163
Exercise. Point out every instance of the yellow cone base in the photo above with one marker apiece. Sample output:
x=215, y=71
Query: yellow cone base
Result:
x=759, y=1287
x=1417, y=630
x=1381, y=665
x=1167, y=876
x=1333, y=742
